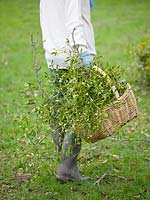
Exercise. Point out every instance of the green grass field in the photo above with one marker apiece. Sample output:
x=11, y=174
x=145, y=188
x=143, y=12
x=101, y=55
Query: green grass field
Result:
x=27, y=154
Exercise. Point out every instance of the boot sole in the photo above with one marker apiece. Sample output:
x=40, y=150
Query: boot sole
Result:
x=66, y=178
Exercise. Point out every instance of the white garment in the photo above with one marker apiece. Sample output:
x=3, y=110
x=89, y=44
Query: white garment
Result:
x=58, y=19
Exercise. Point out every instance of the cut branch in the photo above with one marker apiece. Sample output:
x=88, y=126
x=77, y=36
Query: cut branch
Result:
x=126, y=140
x=36, y=67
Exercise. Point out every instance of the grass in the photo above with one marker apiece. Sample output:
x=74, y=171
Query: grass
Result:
x=27, y=154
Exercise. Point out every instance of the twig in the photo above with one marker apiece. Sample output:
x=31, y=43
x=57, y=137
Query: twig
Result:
x=75, y=46
x=103, y=195
x=112, y=175
x=137, y=196
x=120, y=177
x=36, y=67
x=101, y=178
x=125, y=140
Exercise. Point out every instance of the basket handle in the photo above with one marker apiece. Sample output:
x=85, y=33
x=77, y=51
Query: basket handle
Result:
x=114, y=89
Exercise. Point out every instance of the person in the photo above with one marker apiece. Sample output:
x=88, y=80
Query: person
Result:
x=59, y=20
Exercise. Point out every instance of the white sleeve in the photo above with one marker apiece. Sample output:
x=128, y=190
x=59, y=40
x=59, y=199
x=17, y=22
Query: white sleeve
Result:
x=74, y=23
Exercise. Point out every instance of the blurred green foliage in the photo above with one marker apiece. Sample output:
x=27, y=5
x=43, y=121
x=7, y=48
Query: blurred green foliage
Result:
x=142, y=53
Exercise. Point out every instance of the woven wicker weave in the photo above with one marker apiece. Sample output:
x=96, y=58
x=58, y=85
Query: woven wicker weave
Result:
x=121, y=111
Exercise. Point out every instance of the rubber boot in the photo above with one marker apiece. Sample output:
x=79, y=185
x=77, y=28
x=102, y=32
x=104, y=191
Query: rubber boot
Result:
x=68, y=169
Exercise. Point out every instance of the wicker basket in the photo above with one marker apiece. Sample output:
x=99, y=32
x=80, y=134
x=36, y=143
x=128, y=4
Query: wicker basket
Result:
x=121, y=111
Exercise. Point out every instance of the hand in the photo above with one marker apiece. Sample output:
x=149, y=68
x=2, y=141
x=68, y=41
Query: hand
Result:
x=86, y=59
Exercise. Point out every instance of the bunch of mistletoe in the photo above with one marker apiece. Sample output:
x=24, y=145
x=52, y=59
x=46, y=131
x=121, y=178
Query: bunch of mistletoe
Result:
x=77, y=95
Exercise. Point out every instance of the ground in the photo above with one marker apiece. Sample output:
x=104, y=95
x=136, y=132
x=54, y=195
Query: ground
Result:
x=27, y=154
